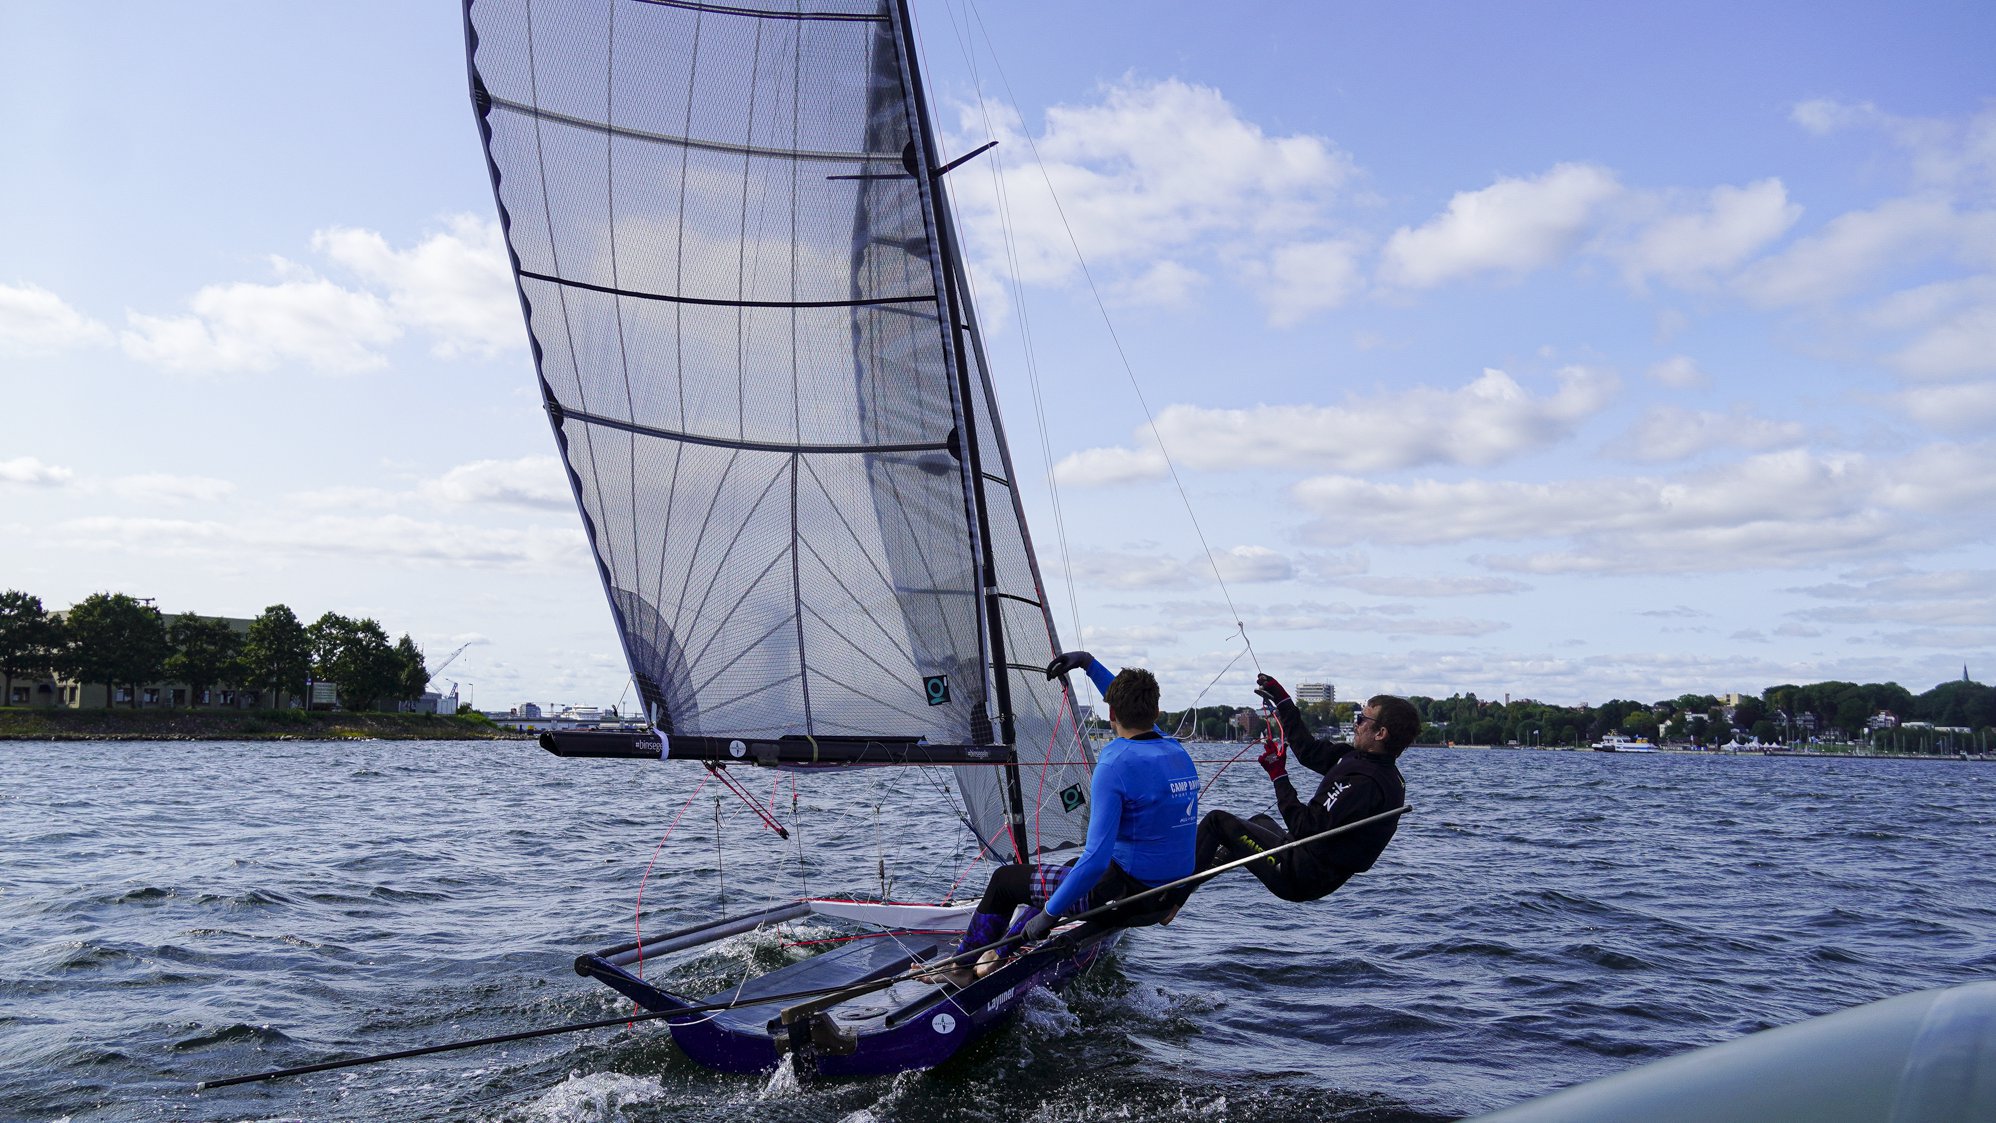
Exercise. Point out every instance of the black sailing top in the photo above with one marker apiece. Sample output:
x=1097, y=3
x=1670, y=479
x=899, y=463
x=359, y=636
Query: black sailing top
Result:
x=1356, y=785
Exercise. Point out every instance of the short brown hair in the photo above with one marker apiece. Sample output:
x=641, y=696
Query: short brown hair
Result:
x=1399, y=718
x=1132, y=698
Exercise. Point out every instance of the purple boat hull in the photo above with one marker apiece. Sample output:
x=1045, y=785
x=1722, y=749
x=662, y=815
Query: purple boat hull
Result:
x=897, y=1028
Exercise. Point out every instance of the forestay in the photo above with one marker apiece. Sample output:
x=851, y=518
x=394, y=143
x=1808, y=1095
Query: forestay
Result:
x=758, y=354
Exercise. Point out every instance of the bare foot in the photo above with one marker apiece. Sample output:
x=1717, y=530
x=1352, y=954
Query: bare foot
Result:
x=958, y=975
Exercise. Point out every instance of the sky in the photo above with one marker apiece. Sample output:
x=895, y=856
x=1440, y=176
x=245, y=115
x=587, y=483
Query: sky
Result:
x=1546, y=350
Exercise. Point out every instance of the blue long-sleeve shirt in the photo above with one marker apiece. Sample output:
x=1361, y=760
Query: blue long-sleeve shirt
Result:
x=1143, y=813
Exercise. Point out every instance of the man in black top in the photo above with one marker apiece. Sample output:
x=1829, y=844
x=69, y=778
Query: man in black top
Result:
x=1360, y=780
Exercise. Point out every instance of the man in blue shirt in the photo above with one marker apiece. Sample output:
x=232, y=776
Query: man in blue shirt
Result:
x=1143, y=819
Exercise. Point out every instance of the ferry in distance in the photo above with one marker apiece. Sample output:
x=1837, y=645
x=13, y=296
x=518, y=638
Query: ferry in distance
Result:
x=1616, y=743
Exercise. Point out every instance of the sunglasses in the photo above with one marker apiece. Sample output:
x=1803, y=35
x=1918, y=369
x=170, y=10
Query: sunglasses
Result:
x=1360, y=720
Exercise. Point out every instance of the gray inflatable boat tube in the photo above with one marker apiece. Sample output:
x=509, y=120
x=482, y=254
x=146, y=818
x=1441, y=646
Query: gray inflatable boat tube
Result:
x=1919, y=1058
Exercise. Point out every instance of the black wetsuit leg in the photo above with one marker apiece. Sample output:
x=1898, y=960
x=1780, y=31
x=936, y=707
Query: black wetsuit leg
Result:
x=1224, y=837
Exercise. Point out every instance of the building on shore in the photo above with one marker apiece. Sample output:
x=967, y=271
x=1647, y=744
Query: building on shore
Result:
x=530, y=718
x=1309, y=692
x=71, y=694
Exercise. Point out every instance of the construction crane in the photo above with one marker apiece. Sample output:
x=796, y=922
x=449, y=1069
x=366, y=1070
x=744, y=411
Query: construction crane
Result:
x=448, y=660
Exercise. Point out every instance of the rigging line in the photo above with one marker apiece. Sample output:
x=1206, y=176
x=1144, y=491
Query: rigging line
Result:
x=1123, y=356
x=720, y=772
x=1191, y=711
x=720, y=870
x=797, y=829
x=1275, y=723
x=638, y=914
x=1027, y=347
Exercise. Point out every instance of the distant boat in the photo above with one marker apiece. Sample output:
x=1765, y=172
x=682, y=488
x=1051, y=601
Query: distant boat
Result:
x=1616, y=743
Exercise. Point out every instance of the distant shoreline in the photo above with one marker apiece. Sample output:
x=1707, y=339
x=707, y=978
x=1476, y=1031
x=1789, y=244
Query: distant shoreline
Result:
x=1855, y=754
x=47, y=724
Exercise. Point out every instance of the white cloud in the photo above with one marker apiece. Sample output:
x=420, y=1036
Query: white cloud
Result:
x=387, y=539
x=1956, y=156
x=1733, y=224
x=1155, y=569
x=1488, y=420
x=35, y=321
x=1512, y=226
x=1962, y=407
x=1166, y=284
x=1307, y=616
x=254, y=327
x=534, y=482
x=1856, y=248
x=1962, y=344
x=1775, y=510
x=30, y=472
x=159, y=487
x=1433, y=586
x=1126, y=643
x=1308, y=277
x=1670, y=433
x=1153, y=170
x=1680, y=372
x=455, y=285
x=1251, y=564
x=1908, y=585
x=1106, y=467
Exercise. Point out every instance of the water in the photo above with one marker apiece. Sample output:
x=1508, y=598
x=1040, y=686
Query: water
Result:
x=173, y=912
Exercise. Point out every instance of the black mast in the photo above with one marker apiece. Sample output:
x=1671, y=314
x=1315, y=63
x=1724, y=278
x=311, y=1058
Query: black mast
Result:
x=946, y=252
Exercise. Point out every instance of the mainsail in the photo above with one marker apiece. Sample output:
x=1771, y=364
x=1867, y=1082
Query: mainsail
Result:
x=756, y=346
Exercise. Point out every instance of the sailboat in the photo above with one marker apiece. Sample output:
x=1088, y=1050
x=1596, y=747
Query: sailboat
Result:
x=754, y=340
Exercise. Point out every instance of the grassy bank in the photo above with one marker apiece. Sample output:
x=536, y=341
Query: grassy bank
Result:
x=22, y=724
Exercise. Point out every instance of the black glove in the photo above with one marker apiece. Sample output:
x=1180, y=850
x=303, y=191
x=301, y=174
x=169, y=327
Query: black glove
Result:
x=1270, y=689
x=1037, y=928
x=1069, y=661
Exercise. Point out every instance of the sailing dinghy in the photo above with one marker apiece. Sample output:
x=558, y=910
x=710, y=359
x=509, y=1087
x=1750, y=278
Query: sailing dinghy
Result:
x=755, y=343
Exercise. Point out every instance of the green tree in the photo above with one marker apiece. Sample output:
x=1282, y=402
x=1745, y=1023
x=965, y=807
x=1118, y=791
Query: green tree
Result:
x=277, y=654
x=1748, y=713
x=355, y=655
x=412, y=678
x=115, y=640
x=31, y=640
x=207, y=653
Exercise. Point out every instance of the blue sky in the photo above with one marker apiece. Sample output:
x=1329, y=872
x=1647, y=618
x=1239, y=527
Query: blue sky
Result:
x=1545, y=349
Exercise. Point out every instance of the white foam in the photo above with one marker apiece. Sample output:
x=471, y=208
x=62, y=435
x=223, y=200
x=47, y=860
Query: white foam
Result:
x=1045, y=1013
x=782, y=1083
x=597, y=1096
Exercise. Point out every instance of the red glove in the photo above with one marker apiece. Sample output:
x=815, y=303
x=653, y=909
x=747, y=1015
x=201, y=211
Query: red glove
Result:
x=1274, y=758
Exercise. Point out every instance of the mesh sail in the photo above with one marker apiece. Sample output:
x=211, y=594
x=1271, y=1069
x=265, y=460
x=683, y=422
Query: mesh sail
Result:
x=740, y=319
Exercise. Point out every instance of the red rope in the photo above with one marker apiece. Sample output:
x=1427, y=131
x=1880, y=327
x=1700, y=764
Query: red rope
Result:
x=974, y=859
x=1280, y=736
x=720, y=771
x=638, y=916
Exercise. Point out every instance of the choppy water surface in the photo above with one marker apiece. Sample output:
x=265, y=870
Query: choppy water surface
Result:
x=171, y=912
